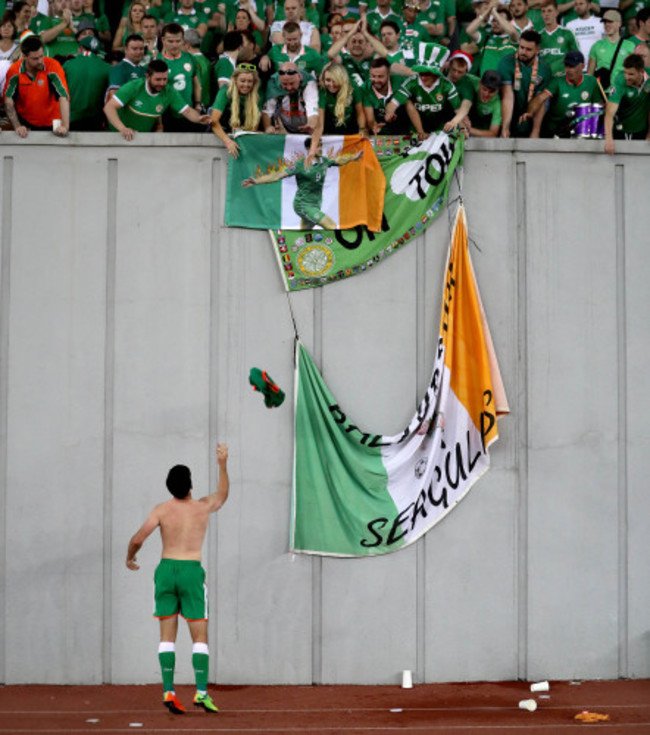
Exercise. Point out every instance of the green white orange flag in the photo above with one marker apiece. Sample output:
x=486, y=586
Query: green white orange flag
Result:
x=346, y=184
x=357, y=493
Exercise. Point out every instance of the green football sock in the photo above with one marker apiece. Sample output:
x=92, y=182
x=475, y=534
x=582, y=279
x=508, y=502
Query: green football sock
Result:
x=201, y=663
x=167, y=658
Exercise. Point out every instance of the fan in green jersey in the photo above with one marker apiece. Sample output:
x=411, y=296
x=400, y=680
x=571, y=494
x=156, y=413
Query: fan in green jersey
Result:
x=564, y=94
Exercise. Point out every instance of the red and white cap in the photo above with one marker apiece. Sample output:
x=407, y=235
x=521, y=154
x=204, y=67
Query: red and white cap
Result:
x=467, y=58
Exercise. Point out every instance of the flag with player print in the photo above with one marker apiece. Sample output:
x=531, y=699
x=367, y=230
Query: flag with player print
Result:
x=418, y=178
x=357, y=493
x=271, y=186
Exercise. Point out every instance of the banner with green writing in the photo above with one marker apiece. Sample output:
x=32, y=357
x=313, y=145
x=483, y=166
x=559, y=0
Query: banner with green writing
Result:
x=417, y=185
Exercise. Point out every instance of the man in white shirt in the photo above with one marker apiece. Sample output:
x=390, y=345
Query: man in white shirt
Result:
x=587, y=28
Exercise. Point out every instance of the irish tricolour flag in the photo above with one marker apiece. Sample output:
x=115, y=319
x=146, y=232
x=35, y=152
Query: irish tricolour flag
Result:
x=357, y=493
x=342, y=188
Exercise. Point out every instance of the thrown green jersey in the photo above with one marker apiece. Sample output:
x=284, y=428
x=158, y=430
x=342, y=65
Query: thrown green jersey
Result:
x=564, y=97
x=633, y=103
x=182, y=71
x=429, y=103
x=554, y=47
x=141, y=110
x=308, y=60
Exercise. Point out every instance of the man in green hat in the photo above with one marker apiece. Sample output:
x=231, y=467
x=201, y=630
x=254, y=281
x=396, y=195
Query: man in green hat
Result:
x=429, y=92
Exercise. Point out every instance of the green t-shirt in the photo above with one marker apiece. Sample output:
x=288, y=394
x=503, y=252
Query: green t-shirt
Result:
x=401, y=125
x=309, y=59
x=564, y=98
x=434, y=14
x=483, y=115
x=603, y=53
x=124, y=72
x=188, y=21
x=633, y=103
x=430, y=103
x=65, y=44
x=493, y=48
x=358, y=71
x=181, y=75
x=87, y=78
x=375, y=19
x=327, y=102
x=554, y=48
x=141, y=110
x=522, y=89
x=223, y=103
x=224, y=68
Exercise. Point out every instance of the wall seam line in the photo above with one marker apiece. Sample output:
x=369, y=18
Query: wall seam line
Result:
x=109, y=408
x=5, y=305
x=521, y=447
x=622, y=497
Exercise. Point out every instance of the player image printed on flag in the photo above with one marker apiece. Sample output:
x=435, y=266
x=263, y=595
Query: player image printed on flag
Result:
x=358, y=493
x=418, y=176
x=273, y=184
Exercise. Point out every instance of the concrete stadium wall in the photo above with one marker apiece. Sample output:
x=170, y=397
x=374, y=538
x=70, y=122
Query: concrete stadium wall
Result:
x=129, y=319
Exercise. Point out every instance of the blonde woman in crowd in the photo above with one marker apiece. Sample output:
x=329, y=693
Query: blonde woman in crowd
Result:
x=340, y=107
x=237, y=106
x=130, y=24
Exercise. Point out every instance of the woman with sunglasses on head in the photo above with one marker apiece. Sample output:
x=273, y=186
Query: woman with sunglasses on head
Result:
x=340, y=106
x=237, y=106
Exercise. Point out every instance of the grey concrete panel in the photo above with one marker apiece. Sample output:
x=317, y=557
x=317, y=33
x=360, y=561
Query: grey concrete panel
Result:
x=572, y=427
x=637, y=402
x=54, y=422
x=161, y=382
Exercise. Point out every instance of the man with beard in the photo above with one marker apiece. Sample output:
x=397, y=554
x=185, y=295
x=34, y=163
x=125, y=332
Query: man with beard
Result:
x=139, y=105
x=523, y=77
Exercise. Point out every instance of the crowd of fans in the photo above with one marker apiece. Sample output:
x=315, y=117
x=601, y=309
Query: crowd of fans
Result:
x=527, y=68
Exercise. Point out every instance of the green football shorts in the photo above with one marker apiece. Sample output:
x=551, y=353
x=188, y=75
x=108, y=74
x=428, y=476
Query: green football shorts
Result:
x=180, y=588
x=308, y=212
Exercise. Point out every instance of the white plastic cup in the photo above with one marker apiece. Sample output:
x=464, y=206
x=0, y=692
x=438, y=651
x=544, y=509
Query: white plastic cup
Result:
x=528, y=704
x=539, y=686
x=56, y=124
x=407, y=679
